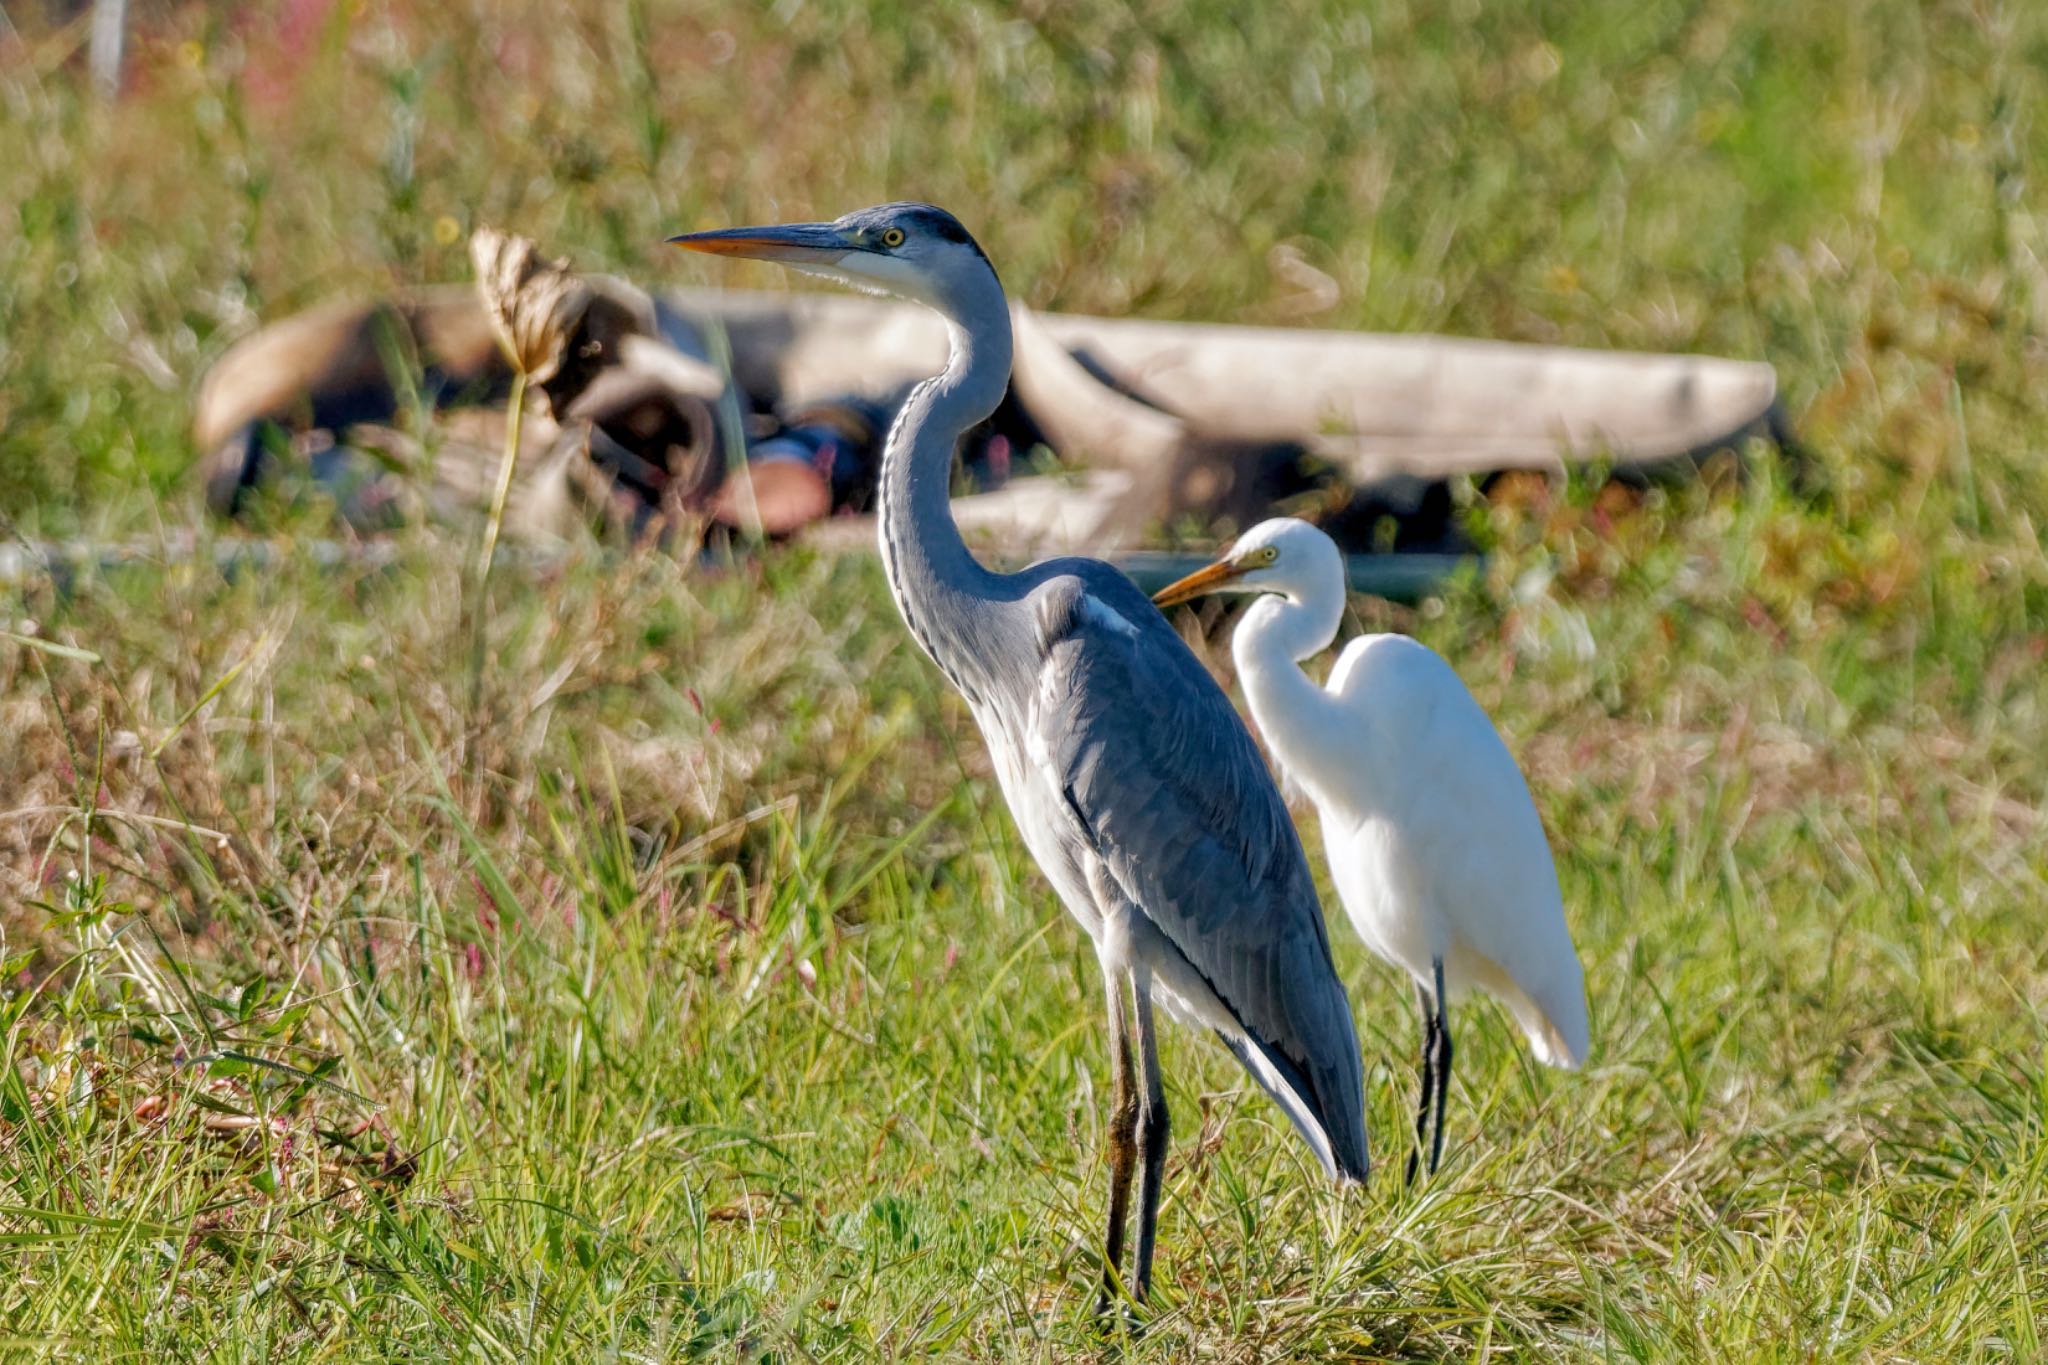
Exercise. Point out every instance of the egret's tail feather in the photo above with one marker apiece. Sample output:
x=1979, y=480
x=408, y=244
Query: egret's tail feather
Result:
x=1555, y=1025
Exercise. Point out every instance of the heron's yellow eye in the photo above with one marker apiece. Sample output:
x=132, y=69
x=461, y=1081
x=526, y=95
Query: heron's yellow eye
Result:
x=1269, y=554
x=892, y=237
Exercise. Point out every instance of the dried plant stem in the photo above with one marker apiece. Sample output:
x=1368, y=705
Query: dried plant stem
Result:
x=479, y=611
x=516, y=411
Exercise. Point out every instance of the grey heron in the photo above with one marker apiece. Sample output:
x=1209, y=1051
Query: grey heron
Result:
x=1137, y=788
x=1432, y=837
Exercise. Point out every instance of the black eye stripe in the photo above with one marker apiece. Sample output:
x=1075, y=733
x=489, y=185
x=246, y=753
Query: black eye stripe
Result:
x=929, y=223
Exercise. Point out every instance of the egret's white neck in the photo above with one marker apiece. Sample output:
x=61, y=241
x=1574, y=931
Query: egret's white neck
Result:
x=1298, y=719
x=1294, y=625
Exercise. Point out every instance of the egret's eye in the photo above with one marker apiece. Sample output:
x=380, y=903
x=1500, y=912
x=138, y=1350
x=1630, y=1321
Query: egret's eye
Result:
x=1269, y=554
x=892, y=237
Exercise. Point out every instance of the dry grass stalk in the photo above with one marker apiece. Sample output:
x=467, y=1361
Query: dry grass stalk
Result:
x=533, y=305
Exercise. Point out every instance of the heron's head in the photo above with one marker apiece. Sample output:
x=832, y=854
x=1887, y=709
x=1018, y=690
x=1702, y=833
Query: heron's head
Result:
x=1285, y=555
x=914, y=251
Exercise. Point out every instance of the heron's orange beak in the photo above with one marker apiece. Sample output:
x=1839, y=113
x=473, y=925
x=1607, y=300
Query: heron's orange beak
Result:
x=816, y=244
x=1197, y=583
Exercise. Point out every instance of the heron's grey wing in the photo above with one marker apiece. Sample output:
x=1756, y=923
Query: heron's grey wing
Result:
x=1174, y=798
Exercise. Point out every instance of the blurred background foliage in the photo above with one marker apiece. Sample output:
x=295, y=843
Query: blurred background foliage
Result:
x=1843, y=192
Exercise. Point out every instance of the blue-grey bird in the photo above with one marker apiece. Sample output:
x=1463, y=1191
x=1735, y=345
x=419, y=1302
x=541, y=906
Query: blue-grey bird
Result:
x=1134, y=782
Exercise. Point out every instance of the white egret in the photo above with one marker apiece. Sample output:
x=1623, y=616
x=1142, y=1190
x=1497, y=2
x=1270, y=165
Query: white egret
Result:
x=1432, y=838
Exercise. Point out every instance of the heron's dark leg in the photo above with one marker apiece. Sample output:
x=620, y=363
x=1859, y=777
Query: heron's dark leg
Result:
x=1123, y=1147
x=1152, y=1130
x=1442, y=1068
x=1428, y=1082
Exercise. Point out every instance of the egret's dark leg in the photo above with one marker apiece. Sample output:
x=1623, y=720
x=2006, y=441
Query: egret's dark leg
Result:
x=1152, y=1131
x=1428, y=1082
x=1442, y=1068
x=1123, y=1146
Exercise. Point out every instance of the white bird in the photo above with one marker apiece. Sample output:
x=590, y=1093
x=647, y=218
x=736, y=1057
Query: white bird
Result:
x=1432, y=838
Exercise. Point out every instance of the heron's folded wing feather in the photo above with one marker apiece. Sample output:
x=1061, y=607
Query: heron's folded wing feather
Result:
x=1176, y=801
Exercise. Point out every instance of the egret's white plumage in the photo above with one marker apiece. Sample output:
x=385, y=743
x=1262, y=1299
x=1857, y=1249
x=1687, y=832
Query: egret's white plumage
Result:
x=1432, y=838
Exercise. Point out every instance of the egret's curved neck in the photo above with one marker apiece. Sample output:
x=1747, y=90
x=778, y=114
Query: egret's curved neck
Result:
x=1291, y=626
x=937, y=583
x=1298, y=719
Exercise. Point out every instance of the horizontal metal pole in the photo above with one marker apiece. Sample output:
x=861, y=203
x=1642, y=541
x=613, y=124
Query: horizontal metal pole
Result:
x=1398, y=577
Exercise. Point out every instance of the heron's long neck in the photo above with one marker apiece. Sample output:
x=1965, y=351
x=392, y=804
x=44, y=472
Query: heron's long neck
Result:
x=1297, y=718
x=937, y=583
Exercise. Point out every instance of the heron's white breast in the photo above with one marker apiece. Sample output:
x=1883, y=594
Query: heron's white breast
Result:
x=1024, y=774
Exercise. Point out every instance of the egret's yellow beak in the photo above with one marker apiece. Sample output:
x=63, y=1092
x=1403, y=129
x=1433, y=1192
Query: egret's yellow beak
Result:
x=1199, y=582
x=815, y=244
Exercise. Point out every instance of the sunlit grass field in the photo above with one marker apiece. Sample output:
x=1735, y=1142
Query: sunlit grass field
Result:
x=677, y=987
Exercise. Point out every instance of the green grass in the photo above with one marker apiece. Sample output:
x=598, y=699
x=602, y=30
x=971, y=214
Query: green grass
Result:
x=688, y=993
